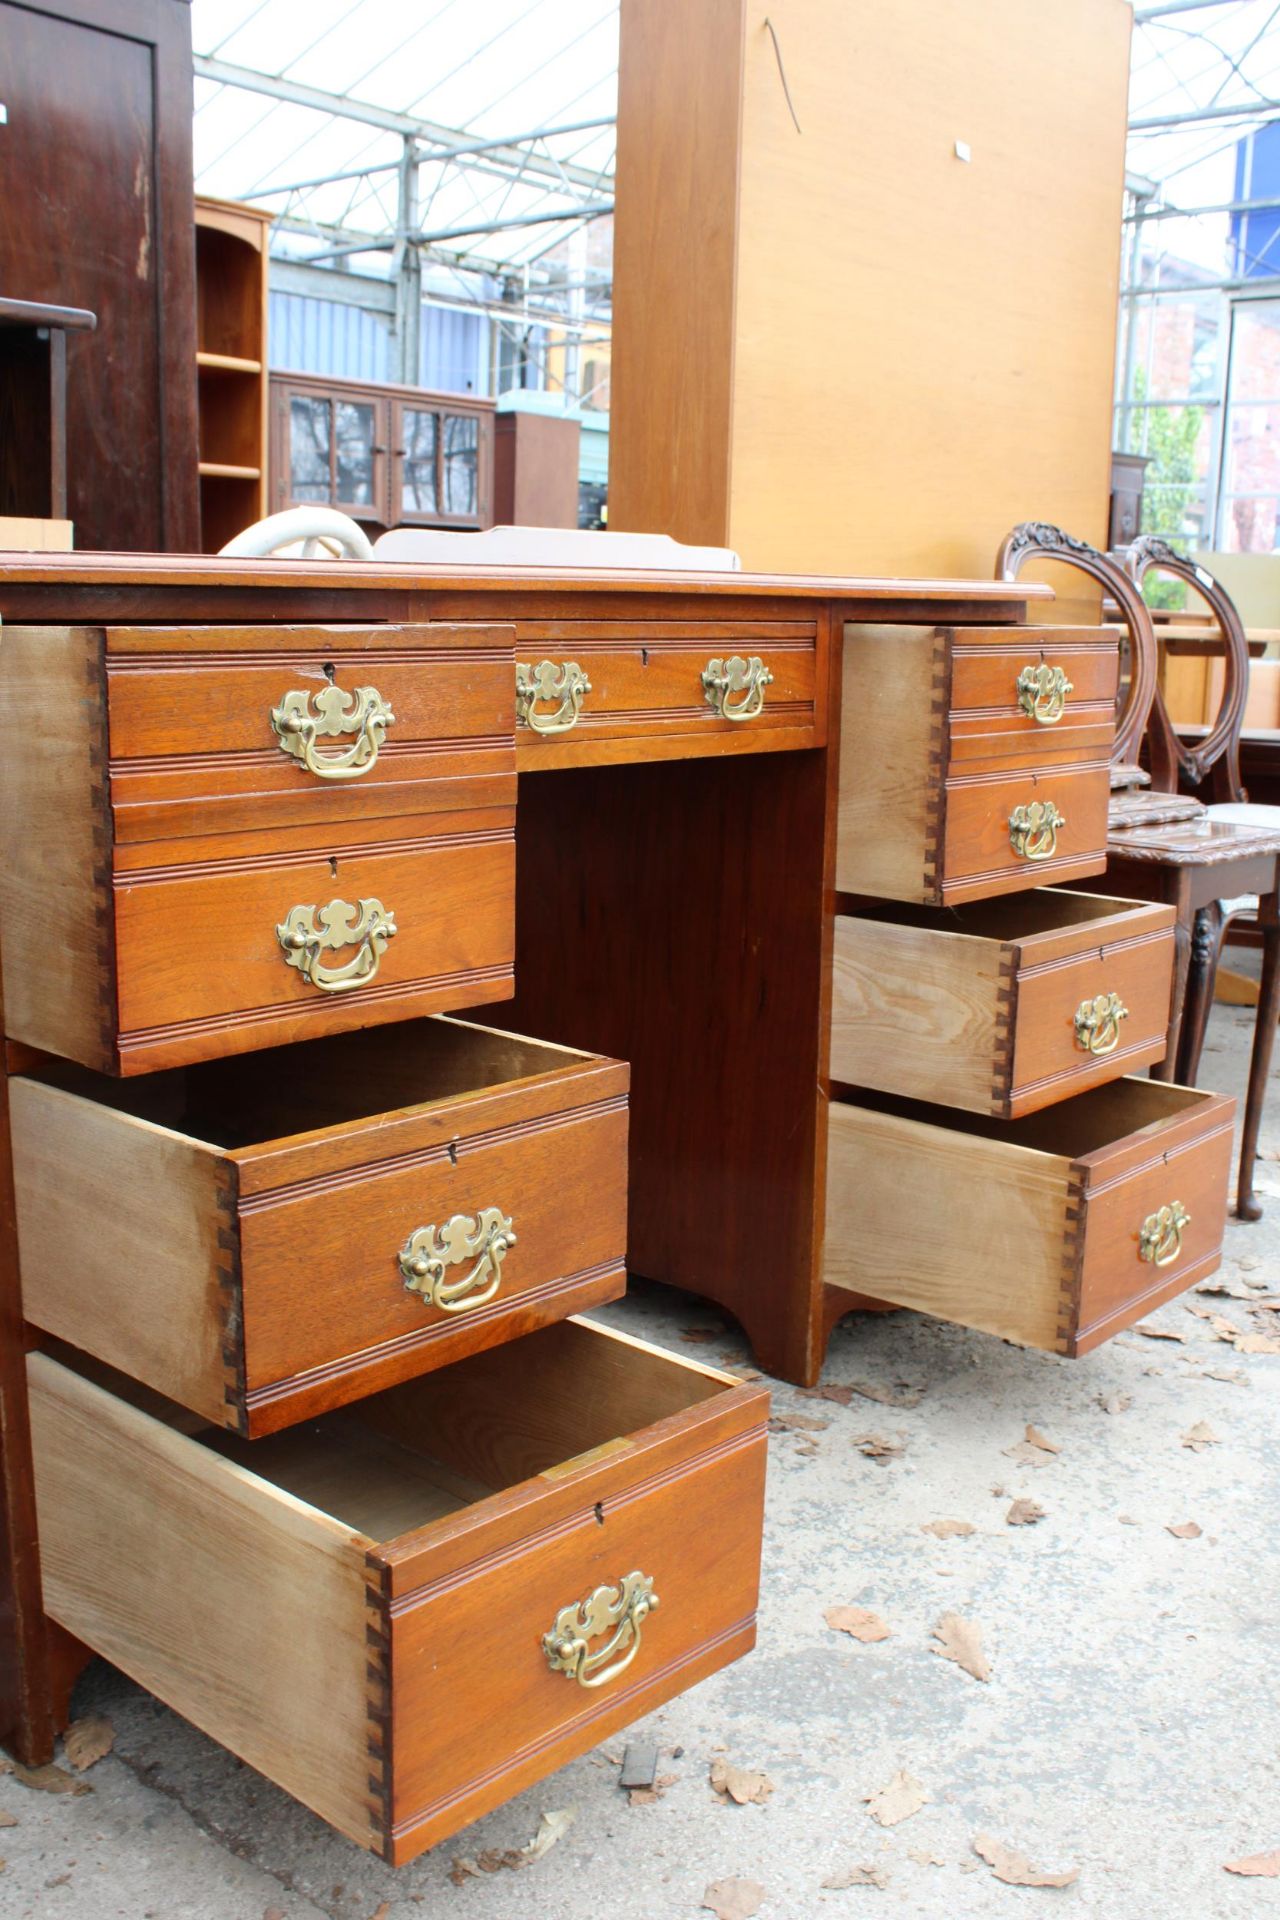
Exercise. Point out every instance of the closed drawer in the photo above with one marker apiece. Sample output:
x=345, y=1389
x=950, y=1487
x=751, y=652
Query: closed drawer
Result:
x=264, y=1238
x=1004, y=1006
x=153, y=912
x=599, y=691
x=1055, y=1231
x=229, y=727
x=407, y=1613
x=943, y=799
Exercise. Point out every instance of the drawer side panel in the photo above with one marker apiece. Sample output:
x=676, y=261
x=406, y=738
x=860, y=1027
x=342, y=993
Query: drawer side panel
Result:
x=967, y=1229
x=238, y=1606
x=892, y=744
x=920, y=1012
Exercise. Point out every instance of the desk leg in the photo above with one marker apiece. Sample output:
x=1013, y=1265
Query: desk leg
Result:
x=1264, y=1033
x=1206, y=946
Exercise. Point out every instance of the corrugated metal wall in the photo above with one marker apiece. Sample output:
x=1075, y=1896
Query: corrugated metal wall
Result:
x=309, y=335
x=328, y=336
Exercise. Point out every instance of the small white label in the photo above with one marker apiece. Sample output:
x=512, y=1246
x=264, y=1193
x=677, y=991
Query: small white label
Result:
x=963, y=151
x=4, y=114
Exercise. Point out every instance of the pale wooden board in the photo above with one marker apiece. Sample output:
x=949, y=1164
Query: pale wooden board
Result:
x=923, y=348
x=118, y=1226
x=236, y=1604
x=914, y=1010
x=969, y=1229
x=35, y=536
x=886, y=722
x=50, y=722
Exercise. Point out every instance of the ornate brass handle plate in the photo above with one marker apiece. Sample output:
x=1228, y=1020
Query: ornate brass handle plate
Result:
x=1160, y=1236
x=307, y=933
x=363, y=713
x=429, y=1252
x=1098, y=1023
x=1042, y=693
x=735, y=687
x=620, y=1612
x=1033, y=829
x=562, y=681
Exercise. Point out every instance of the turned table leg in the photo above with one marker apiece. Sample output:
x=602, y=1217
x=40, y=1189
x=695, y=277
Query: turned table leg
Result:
x=1264, y=1033
x=1206, y=945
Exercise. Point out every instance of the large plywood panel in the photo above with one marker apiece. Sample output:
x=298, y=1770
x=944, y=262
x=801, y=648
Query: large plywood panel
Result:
x=922, y=347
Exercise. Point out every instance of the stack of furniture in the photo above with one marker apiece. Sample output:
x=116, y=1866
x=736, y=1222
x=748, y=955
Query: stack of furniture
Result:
x=231, y=366
x=295, y=1279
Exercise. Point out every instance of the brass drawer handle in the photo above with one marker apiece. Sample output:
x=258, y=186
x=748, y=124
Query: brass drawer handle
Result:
x=1098, y=1023
x=1042, y=693
x=308, y=932
x=1033, y=829
x=562, y=681
x=1160, y=1236
x=429, y=1252
x=364, y=713
x=722, y=679
x=623, y=1608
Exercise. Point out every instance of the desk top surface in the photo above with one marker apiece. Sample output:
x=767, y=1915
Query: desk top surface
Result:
x=120, y=575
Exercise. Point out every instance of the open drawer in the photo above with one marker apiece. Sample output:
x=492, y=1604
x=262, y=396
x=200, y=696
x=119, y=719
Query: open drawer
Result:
x=1055, y=1231
x=406, y=1613
x=1001, y=1006
x=265, y=1237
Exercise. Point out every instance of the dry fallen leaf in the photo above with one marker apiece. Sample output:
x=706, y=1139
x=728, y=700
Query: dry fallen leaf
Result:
x=1115, y=1402
x=274, y=1913
x=841, y=1395
x=1027, y=1455
x=960, y=1641
x=733, y=1899
x=8, y=1819
x=1224, y=1289
x=1126, y=1520
x=858, y=1621
x=48, y=1779
x=903, y=1394
x=87, y=1740
x=1024, y=1513
x=551, y=1827
x=1186, y=1530
x=1034, y=1438
x=1224, y=1328
x=650, y=1796
x=740, y=1784
x=1152, y=1332
x=880, y=1446
x=1014, y=1868
x=797, y=1423
x=1260, y=1866
x=1200, y=1436
x=858, y=1877
x=381, y=1911
x=903, y=1796
x=461, y=1870
x=1257, y=1343
x=925, y=1859
x=948, y=1529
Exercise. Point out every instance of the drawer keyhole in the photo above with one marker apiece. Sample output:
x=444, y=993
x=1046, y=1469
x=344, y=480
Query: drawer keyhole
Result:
x=599, y=1513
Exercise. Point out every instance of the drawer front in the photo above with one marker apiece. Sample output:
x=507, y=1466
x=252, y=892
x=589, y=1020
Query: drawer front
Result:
x=201, y=969
x=620, y=692
x=305, y=724
x=527, y=1203
x=1135, y=1250
x=1025, y=677
x=1081, y=1021
x=479, y=1713
x=1059, y=814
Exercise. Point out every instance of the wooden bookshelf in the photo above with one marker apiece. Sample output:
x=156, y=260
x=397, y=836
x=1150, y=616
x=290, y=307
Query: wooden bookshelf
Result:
x=231, y=366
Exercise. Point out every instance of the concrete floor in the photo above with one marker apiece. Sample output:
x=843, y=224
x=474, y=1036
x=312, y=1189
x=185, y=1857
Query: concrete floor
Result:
x=1130, y=1727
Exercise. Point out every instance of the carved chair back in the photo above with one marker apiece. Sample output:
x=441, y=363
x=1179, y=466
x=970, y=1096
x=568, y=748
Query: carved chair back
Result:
x=1217, y=757
x=1038, y=540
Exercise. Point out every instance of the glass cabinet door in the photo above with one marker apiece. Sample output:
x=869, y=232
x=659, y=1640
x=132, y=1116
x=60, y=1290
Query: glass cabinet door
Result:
x=356, y=449
x=461, y=464
x=310, y=428
x=420, y=445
